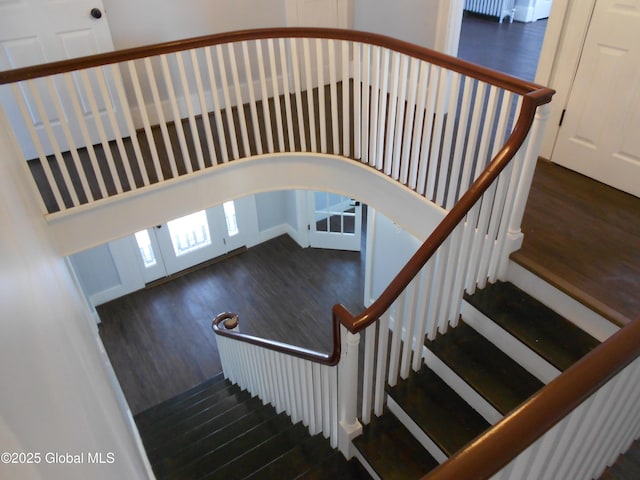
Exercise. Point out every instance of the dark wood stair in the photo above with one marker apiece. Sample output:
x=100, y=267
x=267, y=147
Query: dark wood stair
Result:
x=436, y=414
x=214, y=430
x=550, y=335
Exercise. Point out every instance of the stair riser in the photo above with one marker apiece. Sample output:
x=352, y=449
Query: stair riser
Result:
x=588, y=320
x=513, y=347
x=462, y=388
x=416, y=431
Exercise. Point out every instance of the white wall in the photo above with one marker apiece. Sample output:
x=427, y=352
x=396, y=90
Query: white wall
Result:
x=413, y=21
x=141, y=22
x=58, y=395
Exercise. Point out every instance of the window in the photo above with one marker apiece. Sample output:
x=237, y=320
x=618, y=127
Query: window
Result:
x=146, y=249
x=230, y=217
x=189, y=233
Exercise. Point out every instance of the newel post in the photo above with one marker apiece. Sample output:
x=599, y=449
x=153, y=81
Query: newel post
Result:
x=530, y=148
x=350, y=427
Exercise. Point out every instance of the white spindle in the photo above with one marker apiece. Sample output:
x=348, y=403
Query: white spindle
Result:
x=233, y=65
x=255, y=124
x=69, y=139
x=418, y=128
x=322, y=106
x=276, y=94
x=375, y=73
x=310, y=101
x=266, y=112
x=297, y=86
x=400, y=117
x=333, y=395
x=424, y=288
x=115, y=128
x=346, y=102
x=435, y=160
x=392, y=117
x=457, y=163
x=410, y=118
x=453, y=82
x=317, y=396
x=368, y=372
x=286, y=88
x=333, y=97
x=155, y=95
x=326, y=402
x=188, y=100
x=202, y=102
x=382, y=109
x=78, y=117
x=409, y=324
x=125, y=110
x=177, y=118
x=365, y=104
x=308, y=383
x=228, y=110
x=381, y=364
x=104, y=138
x=358, y=91
x=427, y=131
x=398, y=316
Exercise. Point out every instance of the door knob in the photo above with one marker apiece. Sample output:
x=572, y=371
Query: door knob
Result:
x=96, y=13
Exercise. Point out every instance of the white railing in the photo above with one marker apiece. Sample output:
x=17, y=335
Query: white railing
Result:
x=589, y=439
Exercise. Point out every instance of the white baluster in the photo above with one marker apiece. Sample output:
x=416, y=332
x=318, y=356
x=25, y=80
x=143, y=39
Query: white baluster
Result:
x=310, y=102
x=347, y=101
x=228, y=110
x=363, y=93
x=287, y=93
x=348, y=388
x=368, y=371
x=453, y=80
x=382, y=109
x=276, y=94
x=418, y=128
x=255, y=124
x=391, y=118
x=204, y=110
x=233, y=64
x=322, y=105
x=195, y=136
x=266, y=112
x=333, y=97
x=375, y=73
x=177, y=120
x=427, y=131
x=153, y=84
x=381, y=364
x=409, y=119
x=297, y=86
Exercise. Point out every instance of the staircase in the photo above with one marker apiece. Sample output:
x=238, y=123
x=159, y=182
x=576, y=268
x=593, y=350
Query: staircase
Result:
x=217, y=431
x=467, y=383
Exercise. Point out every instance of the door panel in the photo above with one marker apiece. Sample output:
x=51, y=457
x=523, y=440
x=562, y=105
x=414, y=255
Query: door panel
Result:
x=335, y=221
x=39, y=31
x=598, y=137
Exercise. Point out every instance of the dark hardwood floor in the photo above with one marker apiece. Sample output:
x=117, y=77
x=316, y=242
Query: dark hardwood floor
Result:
x=160, y=340
x=512, y=48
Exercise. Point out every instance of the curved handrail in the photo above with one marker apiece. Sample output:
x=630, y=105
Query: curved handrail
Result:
x=356, y=323
x=502, y=80
x=329, y=359
x=514, y=433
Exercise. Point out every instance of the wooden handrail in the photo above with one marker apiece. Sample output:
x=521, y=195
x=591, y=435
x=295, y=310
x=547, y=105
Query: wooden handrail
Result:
x=492, y=77
x=330, y=359
x=490, y=452
x=356, y=323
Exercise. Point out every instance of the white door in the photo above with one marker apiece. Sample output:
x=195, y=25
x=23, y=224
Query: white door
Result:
x=335, y=221
x=599, y=134
x=195, y=238
x=319, y=13
x=39, y=31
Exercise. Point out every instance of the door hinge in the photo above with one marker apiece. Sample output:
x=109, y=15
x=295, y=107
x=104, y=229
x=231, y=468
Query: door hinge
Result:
x=309, y=226
x=224, y=240
x=562, y=117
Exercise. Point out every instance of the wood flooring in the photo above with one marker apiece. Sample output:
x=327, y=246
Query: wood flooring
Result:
x=160, y=340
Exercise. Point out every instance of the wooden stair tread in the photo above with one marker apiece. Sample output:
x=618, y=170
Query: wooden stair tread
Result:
x=260, y=455
x=197, y=405
x=160, y=445
x=193, y=420
x=235, y=448
x=392, y=451
x=544, y=331
x=336, y=467
x=206, y=388
x=296, y=461
x=438, y=410
x=187, y=451
x=493, y=374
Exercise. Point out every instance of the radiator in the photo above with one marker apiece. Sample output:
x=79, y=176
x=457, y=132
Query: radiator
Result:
x=493, y=8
